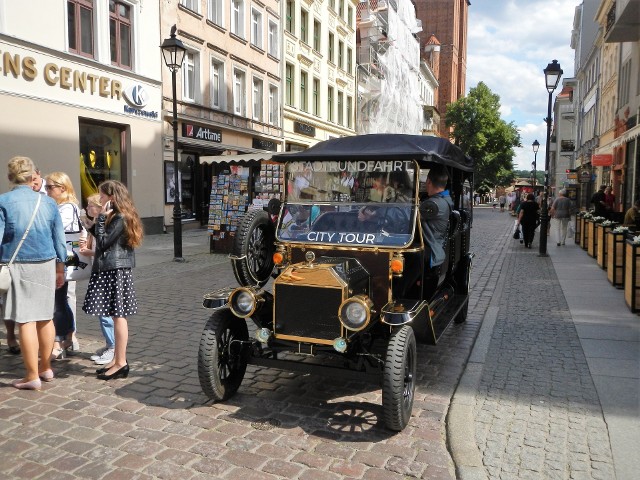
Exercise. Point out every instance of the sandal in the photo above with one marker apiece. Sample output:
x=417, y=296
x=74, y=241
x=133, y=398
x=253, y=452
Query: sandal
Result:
x=58, y=354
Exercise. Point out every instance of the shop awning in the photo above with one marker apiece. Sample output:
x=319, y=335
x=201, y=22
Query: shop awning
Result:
x=244, y=157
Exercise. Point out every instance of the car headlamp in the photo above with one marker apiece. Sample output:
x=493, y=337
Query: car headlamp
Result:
x=242, y=302
x=355, y=312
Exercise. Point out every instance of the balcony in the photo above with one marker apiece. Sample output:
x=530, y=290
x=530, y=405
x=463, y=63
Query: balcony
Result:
x=626, y=27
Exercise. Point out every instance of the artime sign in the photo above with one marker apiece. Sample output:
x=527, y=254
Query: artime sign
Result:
x=201, y=133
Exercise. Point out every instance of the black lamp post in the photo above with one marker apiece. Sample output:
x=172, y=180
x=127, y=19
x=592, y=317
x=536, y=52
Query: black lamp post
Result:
x=536, y=147
x=552, y=75
x=173, y=51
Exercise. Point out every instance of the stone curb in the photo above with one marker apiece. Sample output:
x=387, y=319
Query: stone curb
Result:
x=460, y=422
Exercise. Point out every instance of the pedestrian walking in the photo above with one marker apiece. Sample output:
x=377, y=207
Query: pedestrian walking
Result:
x=502, y=200
x=561, y=212
x=104, y=354
x=117, y=230
x=528, y=218
x=33, y=244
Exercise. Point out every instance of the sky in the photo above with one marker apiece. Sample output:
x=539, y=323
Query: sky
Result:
x=510, y=42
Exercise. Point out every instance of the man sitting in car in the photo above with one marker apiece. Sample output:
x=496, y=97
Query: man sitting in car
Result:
x=435, y=212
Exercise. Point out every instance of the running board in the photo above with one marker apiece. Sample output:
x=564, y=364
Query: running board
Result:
x=445, y=316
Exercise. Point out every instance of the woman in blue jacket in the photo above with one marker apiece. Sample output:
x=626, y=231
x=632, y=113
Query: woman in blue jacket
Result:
x=37, y=271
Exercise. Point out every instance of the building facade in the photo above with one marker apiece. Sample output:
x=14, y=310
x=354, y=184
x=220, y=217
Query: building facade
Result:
x=80, y=94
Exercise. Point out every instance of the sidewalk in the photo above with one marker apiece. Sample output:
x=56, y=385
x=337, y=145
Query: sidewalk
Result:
x=551, y=389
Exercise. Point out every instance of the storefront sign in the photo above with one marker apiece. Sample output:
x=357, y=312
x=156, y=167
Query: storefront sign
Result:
x=304, y=129
x=602, y=160
x=38, y=75
x=264, y=145
x=201, y=133
x=585, y=176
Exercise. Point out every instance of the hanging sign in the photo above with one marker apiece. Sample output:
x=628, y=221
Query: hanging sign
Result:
x=602, y=160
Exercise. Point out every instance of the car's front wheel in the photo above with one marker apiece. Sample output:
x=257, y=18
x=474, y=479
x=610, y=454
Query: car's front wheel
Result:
x=399, y=380
x=222, y=356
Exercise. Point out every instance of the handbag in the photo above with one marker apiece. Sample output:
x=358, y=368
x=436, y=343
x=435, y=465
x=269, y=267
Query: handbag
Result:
x=78, y=265
x=5, y=269
x=516, y=233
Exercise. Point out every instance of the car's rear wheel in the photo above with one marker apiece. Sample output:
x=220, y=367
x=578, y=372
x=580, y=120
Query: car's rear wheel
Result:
x=399, y=380
x=222, y=356
x=253, y=249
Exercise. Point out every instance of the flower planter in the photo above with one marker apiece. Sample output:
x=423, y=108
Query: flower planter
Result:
x=601, y=233
x=577, y=231
x=591, y=238
x=615, y=258
x=585, y=233
x=632, y=275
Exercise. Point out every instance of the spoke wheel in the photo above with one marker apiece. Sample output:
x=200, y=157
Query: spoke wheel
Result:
x=253, y=249
x=399, y=379
x=222, y=355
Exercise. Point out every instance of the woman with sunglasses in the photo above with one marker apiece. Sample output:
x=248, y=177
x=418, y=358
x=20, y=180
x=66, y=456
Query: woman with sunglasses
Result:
x=60, y=188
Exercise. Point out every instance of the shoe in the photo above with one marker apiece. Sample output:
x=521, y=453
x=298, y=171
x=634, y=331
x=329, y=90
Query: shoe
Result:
x=562, y=243
x=47, y=375
x=99, y=353
x=32, y=385
x=521, y=242
x=58, y=354
x=558, y=244
x=14, y=349
x=120, y=373
x=106, y=357
x=100, y=371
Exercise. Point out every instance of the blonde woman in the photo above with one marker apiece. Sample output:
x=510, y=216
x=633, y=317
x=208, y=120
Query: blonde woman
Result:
x=118, y=230
x=60, y=188
x=37, y=269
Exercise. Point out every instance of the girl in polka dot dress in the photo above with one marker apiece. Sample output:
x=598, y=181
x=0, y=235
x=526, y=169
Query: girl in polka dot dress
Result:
x=117, y=231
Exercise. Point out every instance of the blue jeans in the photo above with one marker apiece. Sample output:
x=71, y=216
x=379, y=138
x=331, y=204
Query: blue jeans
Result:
x=106, y=325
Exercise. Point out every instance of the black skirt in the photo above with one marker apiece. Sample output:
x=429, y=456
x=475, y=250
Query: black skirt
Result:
x=111, y=293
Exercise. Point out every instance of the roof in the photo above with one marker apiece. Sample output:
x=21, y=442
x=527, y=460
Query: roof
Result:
x=384, y=146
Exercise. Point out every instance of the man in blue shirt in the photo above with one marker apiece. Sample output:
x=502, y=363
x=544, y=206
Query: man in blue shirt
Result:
x=435, y=212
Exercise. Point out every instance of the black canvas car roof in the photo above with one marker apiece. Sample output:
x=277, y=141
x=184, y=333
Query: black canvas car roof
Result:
x=384, y=146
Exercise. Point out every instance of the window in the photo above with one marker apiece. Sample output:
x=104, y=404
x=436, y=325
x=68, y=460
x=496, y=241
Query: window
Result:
x=340, y=54
x=80, y=26
x=239, y=89
x=304, y=26
x=256, y=28
x=316, y=96
x=349, y=60
x=257, y=99
x=103, y=152
x=193, y=5
x=303, y=92
x=624, y=84
x=316, y=35
x=120, y=34
x=190, y=75
x=330, y=104
x=340, y=109
x=331, y=47
x=216, y=9
x=350, y=16
x=290, y=24
x=349, y=103
x=273, y=39
x=237, y=18
x=332, y=4
x=217, y=84
x=274, y=103
x=341, y=9
x=289, y=84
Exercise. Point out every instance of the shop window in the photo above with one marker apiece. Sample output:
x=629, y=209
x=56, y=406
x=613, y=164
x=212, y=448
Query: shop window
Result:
x=120, y=34
x=257, y=99
x=273, y=39
x=80, y=27
x=274, y=105
x=239, y=95
x=303, y=91
x=256, y=28
x=102, y=155
x=217, y=84
x=190, y=75
x=237, y=18
x=216, y=12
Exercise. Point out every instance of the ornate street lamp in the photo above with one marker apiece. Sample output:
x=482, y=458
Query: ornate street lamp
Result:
x=536, y=147
x=173, y=51
x=552, y=75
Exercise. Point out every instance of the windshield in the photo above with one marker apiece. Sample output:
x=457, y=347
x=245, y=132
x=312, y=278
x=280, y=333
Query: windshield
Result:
x=343, y=203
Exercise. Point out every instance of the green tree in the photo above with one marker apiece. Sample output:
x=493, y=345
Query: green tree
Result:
x=484, y=136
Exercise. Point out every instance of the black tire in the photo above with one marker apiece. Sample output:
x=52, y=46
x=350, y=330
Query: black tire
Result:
x=399, y=381
x=463, y=282
x=254, y=247
x=222, y=355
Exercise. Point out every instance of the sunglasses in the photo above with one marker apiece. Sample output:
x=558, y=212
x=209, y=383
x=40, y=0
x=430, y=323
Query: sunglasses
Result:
x=51, y=187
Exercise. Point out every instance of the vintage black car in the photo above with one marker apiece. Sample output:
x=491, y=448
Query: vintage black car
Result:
x=352, y=290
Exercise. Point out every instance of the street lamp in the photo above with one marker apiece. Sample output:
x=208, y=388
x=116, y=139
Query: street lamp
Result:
x=536, y=147
x=552, y=75
x=173, y=51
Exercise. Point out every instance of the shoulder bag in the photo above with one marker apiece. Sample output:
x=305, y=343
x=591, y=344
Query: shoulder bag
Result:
x=78, y=264
x=5, y=269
